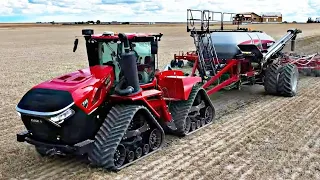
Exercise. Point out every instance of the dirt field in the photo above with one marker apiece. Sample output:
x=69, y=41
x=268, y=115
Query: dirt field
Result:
x=255, y=136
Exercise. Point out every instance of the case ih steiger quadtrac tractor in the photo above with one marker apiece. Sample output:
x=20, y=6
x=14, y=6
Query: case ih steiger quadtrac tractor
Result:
x=118, y=110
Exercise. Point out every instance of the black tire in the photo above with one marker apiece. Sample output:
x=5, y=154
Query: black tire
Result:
x=173, y=63
x=180, y=64
x=316, y=72
x=288, y=80
x=271, y=79
x=190, y=63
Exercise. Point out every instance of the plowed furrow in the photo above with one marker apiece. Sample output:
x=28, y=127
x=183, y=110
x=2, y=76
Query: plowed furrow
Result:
x=225, y=150
x=60, y=171
x=42, y=169
x=285, y=135
x=292, y=141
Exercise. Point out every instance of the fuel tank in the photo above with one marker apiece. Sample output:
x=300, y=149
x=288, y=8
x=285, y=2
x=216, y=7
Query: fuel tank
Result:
x=226, y=43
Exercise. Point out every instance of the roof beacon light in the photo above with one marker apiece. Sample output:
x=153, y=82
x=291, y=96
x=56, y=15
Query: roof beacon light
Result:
x=108, y=33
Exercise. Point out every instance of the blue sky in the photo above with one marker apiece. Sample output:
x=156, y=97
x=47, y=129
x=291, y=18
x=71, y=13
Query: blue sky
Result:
x=145, y=10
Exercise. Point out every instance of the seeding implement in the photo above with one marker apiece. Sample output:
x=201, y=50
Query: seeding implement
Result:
x=118, y=110
x=234, y=57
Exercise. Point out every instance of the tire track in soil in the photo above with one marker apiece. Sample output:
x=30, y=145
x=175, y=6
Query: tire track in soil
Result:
x=285, y=138
x=296, y=142
x=46, y=167
x=190, y=155
x=275, y=116
x=304, y=154
x=155, y=163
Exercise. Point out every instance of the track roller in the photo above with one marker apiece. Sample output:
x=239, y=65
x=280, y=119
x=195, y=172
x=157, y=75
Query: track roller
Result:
x=193, y=114
x=128, y=134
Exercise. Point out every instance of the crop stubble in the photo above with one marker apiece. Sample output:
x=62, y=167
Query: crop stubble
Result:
x=255, y=136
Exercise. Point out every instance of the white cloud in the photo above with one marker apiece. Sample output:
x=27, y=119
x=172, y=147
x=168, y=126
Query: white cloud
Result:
x=149, y=10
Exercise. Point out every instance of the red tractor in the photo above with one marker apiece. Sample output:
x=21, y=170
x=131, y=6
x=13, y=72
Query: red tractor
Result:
x=118, y=110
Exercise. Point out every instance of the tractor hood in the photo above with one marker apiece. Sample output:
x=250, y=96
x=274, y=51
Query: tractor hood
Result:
x=79, y=87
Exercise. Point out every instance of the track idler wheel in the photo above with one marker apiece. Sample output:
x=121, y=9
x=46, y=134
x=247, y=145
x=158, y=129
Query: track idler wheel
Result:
x=130, y=156
x=146, y=149
x=138, y=152
x=119, y=156
x=155, y=139
x=187, y=125
x=207, y=114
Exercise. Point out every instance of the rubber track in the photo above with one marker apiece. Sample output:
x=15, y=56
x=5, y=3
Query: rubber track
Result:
x=180, y=110
x=110, y=135
x=285, y=80
x=271, y=79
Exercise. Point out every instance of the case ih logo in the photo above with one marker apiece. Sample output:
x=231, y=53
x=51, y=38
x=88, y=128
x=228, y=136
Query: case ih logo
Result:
x=107, y=82
x=270, y=44
x=36, y=120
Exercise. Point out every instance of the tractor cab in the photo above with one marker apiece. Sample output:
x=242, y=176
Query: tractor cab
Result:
x=107, y=49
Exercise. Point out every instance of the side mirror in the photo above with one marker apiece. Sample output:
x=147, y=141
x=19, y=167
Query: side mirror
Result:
x=154, y=47
x=75, y=46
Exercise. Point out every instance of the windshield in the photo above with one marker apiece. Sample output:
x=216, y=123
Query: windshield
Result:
x=110, y=53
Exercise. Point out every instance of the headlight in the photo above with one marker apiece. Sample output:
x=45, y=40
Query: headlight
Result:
x=61, y=117
x=19, y=114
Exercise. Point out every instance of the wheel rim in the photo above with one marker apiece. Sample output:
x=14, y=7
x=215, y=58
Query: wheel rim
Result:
x=294, y=81
x=120, y=155
x=208, y=114
x=155, y=139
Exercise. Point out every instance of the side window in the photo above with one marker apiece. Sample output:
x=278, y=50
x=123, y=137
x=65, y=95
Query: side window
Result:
x=108, y=52
x=143, y=50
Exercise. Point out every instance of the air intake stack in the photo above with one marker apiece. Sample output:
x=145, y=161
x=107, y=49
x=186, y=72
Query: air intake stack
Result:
x=128, y=63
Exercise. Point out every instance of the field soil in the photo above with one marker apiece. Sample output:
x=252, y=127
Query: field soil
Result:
x=255, y=136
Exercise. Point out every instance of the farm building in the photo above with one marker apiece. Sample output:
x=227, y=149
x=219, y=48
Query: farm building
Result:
x=271, y=17
x=251, y=17
x=248, y=17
